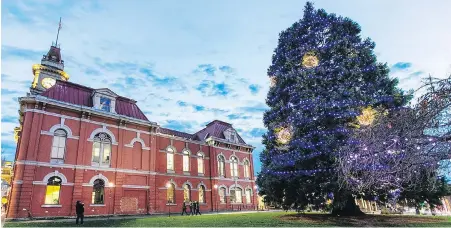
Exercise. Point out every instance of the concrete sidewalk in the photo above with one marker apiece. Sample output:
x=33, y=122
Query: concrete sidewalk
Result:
x=118, y=217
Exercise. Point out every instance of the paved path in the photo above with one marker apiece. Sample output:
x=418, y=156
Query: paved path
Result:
x=134, y=216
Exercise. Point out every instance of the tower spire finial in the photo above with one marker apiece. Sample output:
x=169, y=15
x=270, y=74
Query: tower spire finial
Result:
x=59, y=28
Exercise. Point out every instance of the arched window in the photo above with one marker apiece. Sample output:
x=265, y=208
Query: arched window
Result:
x=248, y=196
x=185, y=161
x=170, y=158
x=221, y=166
x=52, y=192
x=186, y=193
x=98, y=192
x=200, y=163
x=202, y=194
x=58, y=146
x=171, y=193
x=234, y=166
x=246, y=169
x=222, y=194
x=236, y=195
x=101, y=150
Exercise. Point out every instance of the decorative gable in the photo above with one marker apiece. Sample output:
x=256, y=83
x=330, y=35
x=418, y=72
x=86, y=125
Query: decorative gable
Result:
x=231, y=135
x=104, y=99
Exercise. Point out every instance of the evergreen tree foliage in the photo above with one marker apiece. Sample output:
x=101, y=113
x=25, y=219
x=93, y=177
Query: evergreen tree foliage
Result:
x=324, y=74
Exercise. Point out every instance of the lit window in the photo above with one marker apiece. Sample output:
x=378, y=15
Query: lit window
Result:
x=171, y=193
x=246, y=169
x=58, y=146
x=248, y=196
x=234, y=166
x=98, y=192
x=185, y=161
x=221, y=166
x=170, y=158
x=186, y=193
x=235, y=195
x=201, y=194
x=101, y=150
x=200, y=163
x=105, y=104
x=52, y=192
x=222, y=195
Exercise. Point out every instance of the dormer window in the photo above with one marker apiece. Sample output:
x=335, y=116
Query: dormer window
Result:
x=231, y=135
x=105, y=100
x=105, y=104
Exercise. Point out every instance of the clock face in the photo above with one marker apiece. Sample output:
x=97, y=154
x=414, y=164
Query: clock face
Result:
x=48, y=82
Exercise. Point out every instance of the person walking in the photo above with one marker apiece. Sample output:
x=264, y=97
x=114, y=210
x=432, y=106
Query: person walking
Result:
x=198, y=208
x=80, y=210
x=184, y=208
x=191, y=207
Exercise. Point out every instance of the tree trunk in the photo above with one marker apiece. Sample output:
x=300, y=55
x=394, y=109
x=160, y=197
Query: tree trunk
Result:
x=350, y=208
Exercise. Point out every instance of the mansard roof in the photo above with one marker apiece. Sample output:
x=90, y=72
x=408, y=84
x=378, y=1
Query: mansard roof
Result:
x=81, y=95
x=216, y=129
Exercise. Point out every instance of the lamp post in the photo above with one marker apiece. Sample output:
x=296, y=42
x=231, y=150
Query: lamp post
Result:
x=216, y=201
x=168, y=185
x=255, y=192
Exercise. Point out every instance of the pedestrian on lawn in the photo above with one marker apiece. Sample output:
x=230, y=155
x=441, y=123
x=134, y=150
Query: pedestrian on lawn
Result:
x=184, y=208
x=80, y=210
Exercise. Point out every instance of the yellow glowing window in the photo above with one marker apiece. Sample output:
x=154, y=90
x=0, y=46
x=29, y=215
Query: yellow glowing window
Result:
x=186, y=193
x=170, y=193
x=201, y=194
x=52, y=193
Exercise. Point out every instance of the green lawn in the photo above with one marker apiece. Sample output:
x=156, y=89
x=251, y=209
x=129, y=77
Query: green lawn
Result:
x=271, y=219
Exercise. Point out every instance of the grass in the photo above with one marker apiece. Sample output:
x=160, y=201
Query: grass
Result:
x=268, y=219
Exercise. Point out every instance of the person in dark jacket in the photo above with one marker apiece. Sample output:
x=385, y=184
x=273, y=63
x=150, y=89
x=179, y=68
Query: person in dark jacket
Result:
x=191, y=207
x=197, y=208
x=80, y=210
x=184, y=208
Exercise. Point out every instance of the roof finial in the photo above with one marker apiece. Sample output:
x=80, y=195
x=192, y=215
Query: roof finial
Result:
x=59, y=28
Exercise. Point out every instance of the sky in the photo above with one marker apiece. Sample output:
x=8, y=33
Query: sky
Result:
x=190, y=62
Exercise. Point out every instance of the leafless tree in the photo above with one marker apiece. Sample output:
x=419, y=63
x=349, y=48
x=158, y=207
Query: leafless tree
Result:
x=401, y=145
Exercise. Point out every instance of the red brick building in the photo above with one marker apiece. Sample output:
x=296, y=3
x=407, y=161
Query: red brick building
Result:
x=79, y=143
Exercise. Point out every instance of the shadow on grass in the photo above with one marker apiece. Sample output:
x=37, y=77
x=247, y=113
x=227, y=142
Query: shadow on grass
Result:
x=367, y=220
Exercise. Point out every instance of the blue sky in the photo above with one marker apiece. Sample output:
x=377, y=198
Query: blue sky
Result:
x=190, y=62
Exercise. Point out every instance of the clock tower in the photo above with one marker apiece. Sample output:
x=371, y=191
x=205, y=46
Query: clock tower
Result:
x=50, y=69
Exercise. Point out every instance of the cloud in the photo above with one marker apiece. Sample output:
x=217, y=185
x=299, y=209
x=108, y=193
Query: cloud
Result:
x=14, y=52
x=9, y=119
x=401, y=66
x=206, y=68
x=226, y=69
x=254, y=88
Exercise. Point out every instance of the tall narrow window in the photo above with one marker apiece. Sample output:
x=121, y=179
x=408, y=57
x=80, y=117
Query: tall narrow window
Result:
x=234, y=166
x=101, y=150
x=236, y=195
x=185, y=161
x=246, y=169
x=200, y=163
x=52, y=192
x=171, y=193
x=98, y=192
x=186, y=193
x=58, y=146
x=222, y=195
x=248, y=196
x=232, y=195
x=170, y=158
x=201, y=194
x=221, y=166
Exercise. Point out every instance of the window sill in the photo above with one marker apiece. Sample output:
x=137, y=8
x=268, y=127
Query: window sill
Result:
x=200, y=174
x=97, y=205
x=171, y=204
x=56, y=161
x=186, y=173
x=51, y=205
x=236, y=203
x=170, y=171
x=98, y=165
